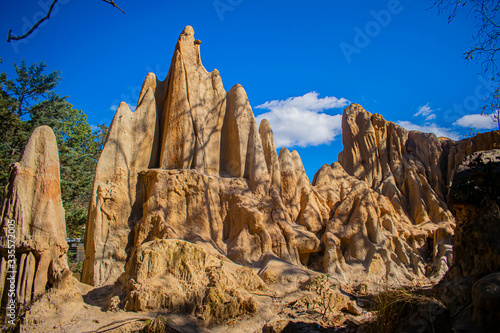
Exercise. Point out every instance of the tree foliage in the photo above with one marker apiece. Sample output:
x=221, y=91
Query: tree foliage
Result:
x=30, y=86
x=28, y=101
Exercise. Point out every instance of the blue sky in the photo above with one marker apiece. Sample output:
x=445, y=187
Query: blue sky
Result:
x=300, y=62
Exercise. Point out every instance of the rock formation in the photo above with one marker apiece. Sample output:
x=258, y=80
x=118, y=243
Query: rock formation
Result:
x=33, y=236
x=405, y=166
x=191, y=164
x=414, y=171
x=186, y=122
x=365, y=235
x=475, y=201
x=474, y=276
x=193, y=210
x=131, y=146
x=174, y=274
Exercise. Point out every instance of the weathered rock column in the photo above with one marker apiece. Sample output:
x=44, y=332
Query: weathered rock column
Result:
x=33, y=230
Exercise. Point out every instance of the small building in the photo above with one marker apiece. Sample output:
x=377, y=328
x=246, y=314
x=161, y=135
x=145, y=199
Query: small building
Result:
x=76, y=249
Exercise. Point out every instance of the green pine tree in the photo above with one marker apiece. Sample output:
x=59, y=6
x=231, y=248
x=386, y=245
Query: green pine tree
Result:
x=28, y=102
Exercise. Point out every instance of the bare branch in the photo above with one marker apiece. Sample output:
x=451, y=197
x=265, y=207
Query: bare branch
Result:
x=32, y=28
x=112, y=3
x=11, y=37
x=485, y=48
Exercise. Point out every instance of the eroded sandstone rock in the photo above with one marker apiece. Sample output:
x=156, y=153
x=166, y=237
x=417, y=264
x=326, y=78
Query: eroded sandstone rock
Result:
x=194, y=111
x=33, y=229
x=116, y=202
x=178, y=275
x=187, y=121
x=405, y=166
x=220, y=214
x=366, y=240
x=409, y=168
x=191, y=163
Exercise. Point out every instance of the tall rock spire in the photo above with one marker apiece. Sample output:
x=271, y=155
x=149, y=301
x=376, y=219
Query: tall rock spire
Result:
x=193, y=112
x=187, y=121
x=33, y=222
x=116, y=196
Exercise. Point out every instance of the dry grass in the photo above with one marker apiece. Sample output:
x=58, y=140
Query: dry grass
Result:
x=158, y=325
x=400, y=309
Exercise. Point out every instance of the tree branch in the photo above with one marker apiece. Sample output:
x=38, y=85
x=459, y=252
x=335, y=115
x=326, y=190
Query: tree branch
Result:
x=11, y=37
x=32, y=28
x=112, y=3
x=485, y=49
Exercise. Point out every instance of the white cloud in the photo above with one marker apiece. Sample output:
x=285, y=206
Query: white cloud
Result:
x=93, y=127
x=309, y=101
x=424, y=111
x=477, y=121
x=297, y=121
x=429, y=128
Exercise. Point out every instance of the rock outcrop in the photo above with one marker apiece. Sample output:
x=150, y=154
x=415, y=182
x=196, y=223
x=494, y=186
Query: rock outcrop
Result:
x=178, y=275
x=474, y=276
x=414, y=171
x=116, y=203
x=33, y=229
x=405, y=166
x=188, y=122
x=194, y=211
x=475, y=201
x=366, y=240
x=191, y=164
x=220, y=214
